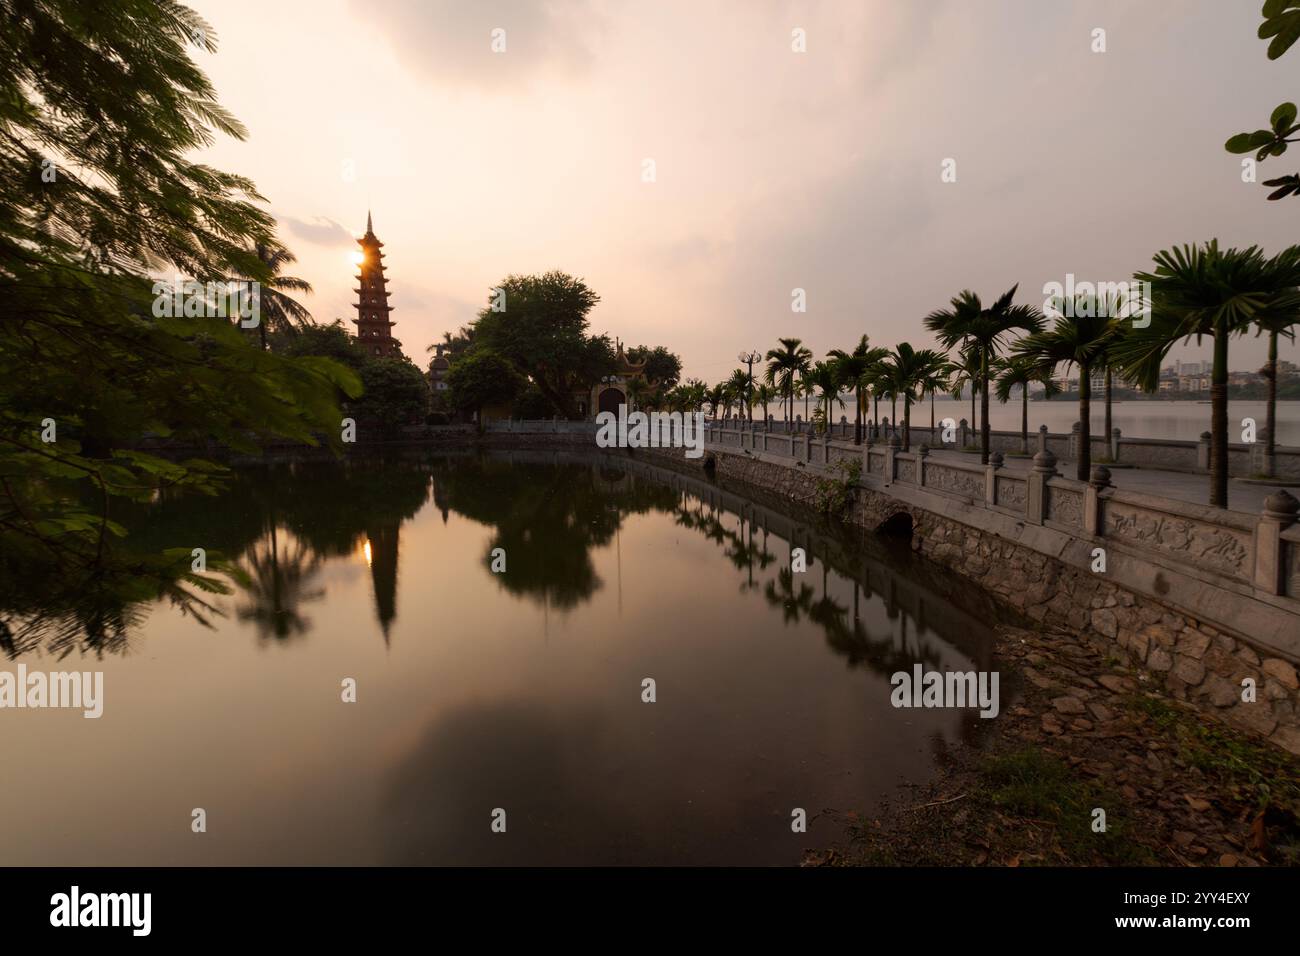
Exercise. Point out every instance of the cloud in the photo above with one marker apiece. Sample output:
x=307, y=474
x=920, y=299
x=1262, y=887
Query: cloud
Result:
x=452, y=41
x=322, y=231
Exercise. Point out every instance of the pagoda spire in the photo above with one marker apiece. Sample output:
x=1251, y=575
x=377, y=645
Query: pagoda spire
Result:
x=374, y=326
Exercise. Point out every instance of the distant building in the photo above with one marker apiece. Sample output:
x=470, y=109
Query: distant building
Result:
x=438, y=369
x=374, y=328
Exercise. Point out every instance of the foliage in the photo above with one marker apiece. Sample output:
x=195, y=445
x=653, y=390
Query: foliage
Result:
x=542, y=332
x=396, y=393
x=483, y=378
x=835, y=492
x=98, y=115
x=663, y=368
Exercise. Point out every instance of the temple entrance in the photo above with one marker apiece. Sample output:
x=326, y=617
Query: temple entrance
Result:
x=610, y=399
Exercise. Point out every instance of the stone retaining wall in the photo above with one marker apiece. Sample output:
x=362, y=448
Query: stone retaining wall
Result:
x=1189, y=658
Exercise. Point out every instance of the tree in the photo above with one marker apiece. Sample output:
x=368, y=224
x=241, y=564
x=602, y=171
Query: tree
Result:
x=764, y=396
x=99, y=116
x=1282, y=24
x=966, y=372
x=279, y=313
x=968, y=324
x=1273, y=327
x=663, y=368
x=908, y=372
x=329, y=341
x=784, y=365
x=483, y=378
x=1080, y=339
x=853, y=367
x=395, y=394
x=740, y=386
x=542, y=331
x=1207, y=291
x=1020, y=372
x=824, y=378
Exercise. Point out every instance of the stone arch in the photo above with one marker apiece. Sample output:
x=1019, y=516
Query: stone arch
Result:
x=897, y=525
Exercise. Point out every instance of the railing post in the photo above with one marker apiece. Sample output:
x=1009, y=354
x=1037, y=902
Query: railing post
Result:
x=1075, y=437
x=1115, y=435
x=991, y=478
x=891, y=450
x=866, y=454
x=1270, y=567
x=1098, y=481
x=1203, y=452
x=922, y=455
x=962, y=427
x=805, y=449
x=1036, y=498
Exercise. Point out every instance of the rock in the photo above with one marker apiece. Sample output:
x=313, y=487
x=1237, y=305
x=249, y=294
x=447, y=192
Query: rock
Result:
x=1193, y=644
x=1040, y=681
x=1069, y=705
x=1196, y=803
x=1257, y=718
x=1081, y=724
x=1159, y=659
x=1184, y=837
x=1288, y=738
x=1228, y=859
x=1189, y=671
x=1282, y=672
x=1222, y=693
x=1116, y=684
x=1104, y=622
x=1101, y=711
x=1051, y=725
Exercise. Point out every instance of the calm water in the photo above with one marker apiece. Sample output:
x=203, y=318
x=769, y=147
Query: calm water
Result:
x=1182, y=421
x=476, y=690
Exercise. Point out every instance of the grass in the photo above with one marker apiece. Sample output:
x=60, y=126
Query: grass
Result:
x=1031, y=784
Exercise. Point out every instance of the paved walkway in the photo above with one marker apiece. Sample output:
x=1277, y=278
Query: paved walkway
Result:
x=1169, y=484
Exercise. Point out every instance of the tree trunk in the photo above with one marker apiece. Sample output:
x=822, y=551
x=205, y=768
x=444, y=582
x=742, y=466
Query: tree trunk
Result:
x=907, y=425
x=1024, y=418
x=984, y=407
x=1270, y=373
x=1085, y=424
x=973, y=419
x=857, y=418
x=1109, y=387
x=1219, y=419
x=932, y=417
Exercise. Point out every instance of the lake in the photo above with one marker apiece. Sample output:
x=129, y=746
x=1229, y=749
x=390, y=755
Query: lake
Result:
x=477, y=691
x=1183, y=421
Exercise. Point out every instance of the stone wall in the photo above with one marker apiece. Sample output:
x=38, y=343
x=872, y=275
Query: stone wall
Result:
x=1190, y=658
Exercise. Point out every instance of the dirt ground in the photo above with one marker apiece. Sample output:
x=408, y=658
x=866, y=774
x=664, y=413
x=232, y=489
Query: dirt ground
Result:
x=1084, y=732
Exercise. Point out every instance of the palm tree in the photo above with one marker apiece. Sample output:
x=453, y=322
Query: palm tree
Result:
x=1080, y=339
x=1273, y=327
x=967, y=373
x=910, y=371
x=1203, y=290
x=937, y=379
x=715, y=397
x=741, y=384
x=853, y=367
x=764, y=396
x=278, y=312
x=1020, y=372
x=824, y=377
x=784, y=364
x=972, y=326
x=807, y=388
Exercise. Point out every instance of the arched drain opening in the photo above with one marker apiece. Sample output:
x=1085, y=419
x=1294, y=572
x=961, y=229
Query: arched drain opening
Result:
x=897, y=525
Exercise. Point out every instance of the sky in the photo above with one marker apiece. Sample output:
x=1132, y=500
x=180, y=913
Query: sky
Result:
x=773, y=170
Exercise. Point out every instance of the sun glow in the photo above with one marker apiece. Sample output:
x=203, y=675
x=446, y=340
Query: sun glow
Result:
x=357, y=257
x=366, y=549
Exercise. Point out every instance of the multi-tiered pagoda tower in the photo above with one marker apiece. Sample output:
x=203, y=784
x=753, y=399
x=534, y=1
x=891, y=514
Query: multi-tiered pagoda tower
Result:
x=374, y=329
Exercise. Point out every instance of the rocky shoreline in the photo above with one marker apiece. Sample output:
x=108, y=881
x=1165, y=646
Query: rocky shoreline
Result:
x=1087, y=732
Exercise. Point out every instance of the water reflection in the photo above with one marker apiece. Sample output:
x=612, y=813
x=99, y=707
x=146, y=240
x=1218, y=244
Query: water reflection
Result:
x=519, y=689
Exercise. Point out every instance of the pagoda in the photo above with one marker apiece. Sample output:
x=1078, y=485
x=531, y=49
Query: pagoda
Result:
x=374, y=329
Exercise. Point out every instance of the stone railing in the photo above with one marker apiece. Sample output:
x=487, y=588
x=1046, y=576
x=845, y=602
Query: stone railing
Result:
x=1244, y=459
x=1227, y=567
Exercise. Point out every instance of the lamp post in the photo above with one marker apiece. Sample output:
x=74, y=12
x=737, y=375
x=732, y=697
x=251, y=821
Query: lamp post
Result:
x=749, y=358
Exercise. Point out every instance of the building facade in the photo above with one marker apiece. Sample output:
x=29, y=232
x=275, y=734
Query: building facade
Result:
x=374, y=327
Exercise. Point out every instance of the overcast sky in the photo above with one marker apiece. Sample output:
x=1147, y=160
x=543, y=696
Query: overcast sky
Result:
x=774, y=170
